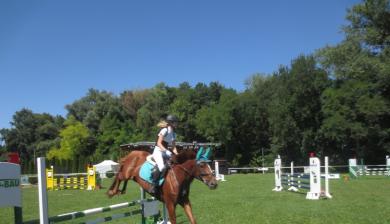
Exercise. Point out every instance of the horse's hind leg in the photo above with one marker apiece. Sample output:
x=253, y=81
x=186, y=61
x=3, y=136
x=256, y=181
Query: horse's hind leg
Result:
x=123, y=191
x=127, y=173
x=113, y=190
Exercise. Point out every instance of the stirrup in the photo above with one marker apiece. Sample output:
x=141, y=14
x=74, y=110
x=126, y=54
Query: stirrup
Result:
x=169, y=163
x=152, y=189
x=164, y=172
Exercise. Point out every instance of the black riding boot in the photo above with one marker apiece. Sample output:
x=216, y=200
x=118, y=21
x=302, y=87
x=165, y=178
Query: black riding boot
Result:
x=156, y=177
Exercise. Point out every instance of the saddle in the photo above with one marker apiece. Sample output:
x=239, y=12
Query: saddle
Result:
x=147, y=169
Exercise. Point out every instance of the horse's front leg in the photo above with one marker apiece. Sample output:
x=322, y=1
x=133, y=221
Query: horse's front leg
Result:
x=188, y=210
x=171, y=212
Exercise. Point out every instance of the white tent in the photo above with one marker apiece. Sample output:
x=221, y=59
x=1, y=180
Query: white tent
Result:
x=106, y=166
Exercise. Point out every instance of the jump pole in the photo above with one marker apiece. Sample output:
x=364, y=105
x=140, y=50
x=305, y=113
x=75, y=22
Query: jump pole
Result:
x=42, y=194
x=327, y=194
x=292, y=168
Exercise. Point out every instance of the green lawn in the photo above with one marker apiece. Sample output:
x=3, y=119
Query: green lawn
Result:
x=241, y=199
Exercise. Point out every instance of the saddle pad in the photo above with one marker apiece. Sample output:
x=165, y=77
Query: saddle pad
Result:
x=146, y=173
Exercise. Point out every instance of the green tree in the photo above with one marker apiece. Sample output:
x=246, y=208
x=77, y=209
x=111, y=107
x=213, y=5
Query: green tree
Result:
x=290, y=101
x=214, y=121
x=31, y=134
x=74, y=141
x=155, y=109
x=132, y=101
x=356, y=108
x=251, y=115
x=92, y=108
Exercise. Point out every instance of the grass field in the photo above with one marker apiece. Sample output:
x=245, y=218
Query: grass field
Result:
x=241, y=199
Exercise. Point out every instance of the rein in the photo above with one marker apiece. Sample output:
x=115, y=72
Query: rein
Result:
x=184, y=169
x=202, y=174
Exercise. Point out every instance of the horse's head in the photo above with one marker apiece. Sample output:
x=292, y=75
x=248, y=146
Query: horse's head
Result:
x=205, y=174
x=203, y=171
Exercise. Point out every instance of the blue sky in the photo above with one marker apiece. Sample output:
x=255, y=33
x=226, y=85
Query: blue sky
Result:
x=52, y=52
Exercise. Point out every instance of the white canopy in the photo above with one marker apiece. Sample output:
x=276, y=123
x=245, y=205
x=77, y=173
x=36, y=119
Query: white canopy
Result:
x=106, y=166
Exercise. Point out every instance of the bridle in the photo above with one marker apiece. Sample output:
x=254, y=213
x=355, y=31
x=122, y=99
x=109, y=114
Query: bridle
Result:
x=201, y=174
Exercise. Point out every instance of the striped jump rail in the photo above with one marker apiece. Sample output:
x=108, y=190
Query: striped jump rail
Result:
x=298, y=175
x=93, y=211
x=113, y=217
x=296, y=183
x=303, y=181
x=307, y=187
x=377, y=169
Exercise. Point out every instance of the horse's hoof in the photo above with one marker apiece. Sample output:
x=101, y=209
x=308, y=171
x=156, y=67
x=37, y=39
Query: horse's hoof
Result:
x=110, y=194
x=123, y=192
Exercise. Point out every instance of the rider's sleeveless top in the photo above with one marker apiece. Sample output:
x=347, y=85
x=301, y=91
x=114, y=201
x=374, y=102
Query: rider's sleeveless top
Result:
x=168, y=136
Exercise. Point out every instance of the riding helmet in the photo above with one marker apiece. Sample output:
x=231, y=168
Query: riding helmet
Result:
x=172, y=118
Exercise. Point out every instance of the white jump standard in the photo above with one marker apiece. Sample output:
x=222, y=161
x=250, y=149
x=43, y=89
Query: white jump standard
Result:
x=218, y=176
x=311, y=181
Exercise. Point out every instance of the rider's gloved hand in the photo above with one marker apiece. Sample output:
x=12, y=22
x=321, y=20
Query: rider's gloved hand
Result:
x=168, y=153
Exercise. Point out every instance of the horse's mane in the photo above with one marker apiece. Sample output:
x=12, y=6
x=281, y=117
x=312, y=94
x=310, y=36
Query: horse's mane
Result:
x=184, y=156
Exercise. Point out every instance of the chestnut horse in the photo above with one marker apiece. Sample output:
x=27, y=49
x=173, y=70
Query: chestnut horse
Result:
x=176, y=187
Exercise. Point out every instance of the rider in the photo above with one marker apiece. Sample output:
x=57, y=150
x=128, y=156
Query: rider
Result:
x=165, y=137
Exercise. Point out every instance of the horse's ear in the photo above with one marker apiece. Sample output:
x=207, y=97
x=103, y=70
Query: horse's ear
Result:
x=207, y=153
x=198, y=155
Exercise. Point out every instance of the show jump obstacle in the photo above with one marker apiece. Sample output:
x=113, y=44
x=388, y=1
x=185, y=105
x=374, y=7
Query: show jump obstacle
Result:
x=10, y=195
x=296, y=181
x=368, y=170
x=71, y=181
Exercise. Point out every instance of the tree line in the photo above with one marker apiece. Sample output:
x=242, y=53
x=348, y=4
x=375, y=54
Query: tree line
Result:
x=335, y=102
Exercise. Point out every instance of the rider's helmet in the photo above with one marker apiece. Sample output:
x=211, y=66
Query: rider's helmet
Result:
x=172, y=119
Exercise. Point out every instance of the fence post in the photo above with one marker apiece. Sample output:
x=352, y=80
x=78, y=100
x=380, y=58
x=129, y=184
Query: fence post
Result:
x=42, y=193
x=216, y=168
x=143, y=219
x=18, y=213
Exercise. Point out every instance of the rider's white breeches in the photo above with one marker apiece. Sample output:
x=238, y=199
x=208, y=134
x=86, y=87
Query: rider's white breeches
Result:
x=158, y=157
